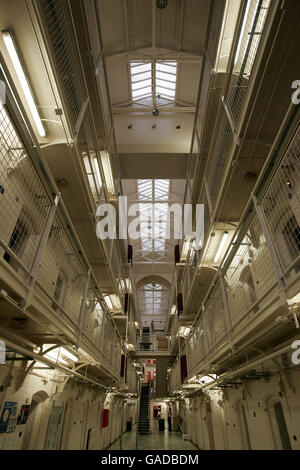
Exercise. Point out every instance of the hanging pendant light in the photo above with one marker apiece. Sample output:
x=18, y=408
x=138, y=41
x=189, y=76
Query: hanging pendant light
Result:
x=161, y=4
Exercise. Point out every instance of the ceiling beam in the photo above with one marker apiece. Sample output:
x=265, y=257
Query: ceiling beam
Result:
x=138, y=57
x=173, y=109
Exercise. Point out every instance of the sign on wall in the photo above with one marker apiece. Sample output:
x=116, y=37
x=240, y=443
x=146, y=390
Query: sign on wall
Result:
x=8, y=419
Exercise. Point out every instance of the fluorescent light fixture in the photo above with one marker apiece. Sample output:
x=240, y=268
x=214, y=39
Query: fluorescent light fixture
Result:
x=128, y=285
x=97, y=169
x=207, y=378
x=105, y=159
x=136, y=324
x=173, y=310
x=294, y=300
x=242, y=32
x=108, y=302
x=11, y=48
x=221, y=246
x=54, y=355
x=185, y=249
x=68, y=354
x=184, y=331
x=115, y=301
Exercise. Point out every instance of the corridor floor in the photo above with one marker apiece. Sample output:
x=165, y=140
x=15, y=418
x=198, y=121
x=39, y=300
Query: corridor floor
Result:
x=157, y=440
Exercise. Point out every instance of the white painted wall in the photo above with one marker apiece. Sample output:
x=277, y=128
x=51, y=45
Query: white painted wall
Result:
x=227, y=418
x=82, y=411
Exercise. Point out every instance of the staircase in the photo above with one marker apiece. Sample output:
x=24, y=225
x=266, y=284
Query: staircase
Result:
x=144, y=425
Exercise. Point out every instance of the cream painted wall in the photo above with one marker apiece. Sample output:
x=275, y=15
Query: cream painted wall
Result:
x=82, y=411
x=227, y=418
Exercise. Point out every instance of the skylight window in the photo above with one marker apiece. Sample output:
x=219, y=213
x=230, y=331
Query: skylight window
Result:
x=153, y=213
x=143, y=75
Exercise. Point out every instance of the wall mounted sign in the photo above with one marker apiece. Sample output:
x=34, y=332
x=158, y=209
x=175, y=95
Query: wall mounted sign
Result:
x=8, y=419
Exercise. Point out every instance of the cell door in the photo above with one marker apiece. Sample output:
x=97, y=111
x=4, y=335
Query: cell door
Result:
x=54, y=429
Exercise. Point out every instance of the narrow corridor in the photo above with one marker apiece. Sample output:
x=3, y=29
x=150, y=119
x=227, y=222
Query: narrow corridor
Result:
x=157, y=440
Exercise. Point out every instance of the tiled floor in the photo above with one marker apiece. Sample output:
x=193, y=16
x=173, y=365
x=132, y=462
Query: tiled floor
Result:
x=157, y=440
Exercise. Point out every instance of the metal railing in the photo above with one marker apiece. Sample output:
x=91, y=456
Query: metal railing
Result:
x=41, y=250
x=244, y=292
x=58, y=27
x=153, y=342
x=281, y=206
x=250, y=33
x=250, y=30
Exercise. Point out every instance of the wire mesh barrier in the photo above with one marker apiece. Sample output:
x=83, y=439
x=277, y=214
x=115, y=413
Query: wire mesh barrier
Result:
x=55, y=19
x=61, y=277
x=251, y=32
x=215, y=315
x=61, y=274
x=248, y=280
x=250, y=276
x=175, y=377
x=24, y=202
x=197, y=349
x=218, y=158
x=281, y=206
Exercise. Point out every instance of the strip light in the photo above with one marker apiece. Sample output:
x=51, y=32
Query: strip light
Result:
x=109, y=180
x=108, y=302
x=98, y=173
x=11, y=48
x=221, y=246
x=242, y=33
x=68, y=354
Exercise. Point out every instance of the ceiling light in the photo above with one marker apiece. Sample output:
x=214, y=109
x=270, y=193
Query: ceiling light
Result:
x=98, y=172
x=173, y=310
x=161, y=4
x=128, y=285
x=108, y=302
x=184, y=331
x=11, y=48
x=68, y=354
x=115, y=301
x=54, y=356
x=105, y=159
x=242, y=32
x=221, y=246
x=185, y=249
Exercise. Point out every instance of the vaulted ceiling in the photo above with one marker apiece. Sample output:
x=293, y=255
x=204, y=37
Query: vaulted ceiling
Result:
x=159, y=40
